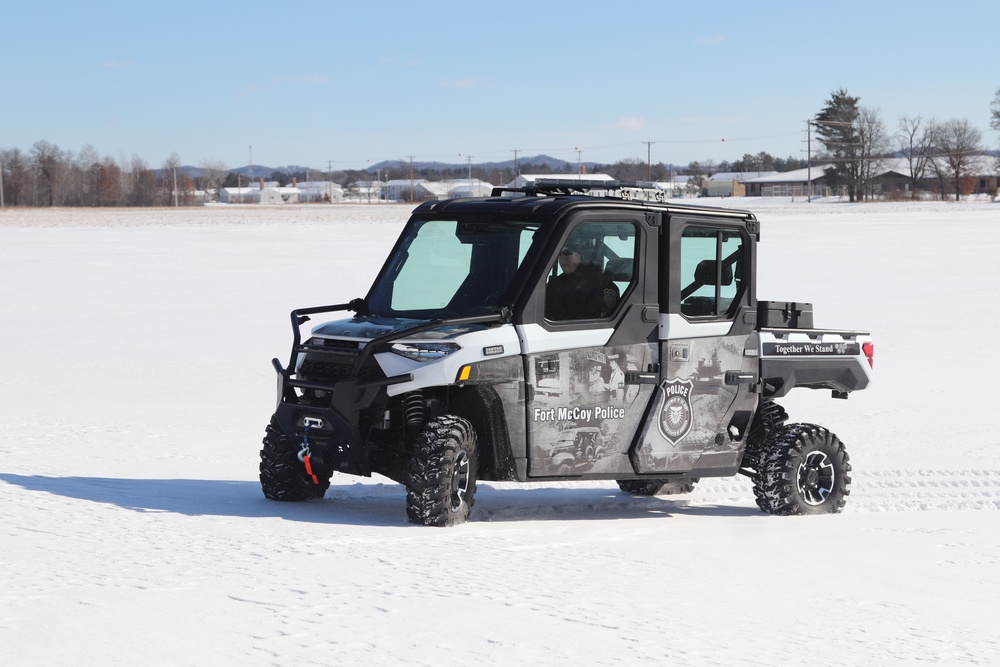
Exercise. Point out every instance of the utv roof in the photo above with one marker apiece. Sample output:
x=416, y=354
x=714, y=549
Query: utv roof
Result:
x=546, y=197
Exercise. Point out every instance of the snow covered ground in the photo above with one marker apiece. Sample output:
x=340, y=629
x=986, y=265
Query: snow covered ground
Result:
x=136, y=382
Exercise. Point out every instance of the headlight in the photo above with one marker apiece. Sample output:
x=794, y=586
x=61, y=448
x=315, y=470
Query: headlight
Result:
x=424, y=351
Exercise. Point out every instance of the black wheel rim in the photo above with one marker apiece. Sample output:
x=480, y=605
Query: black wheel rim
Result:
x=816, y=478
x=460, y=481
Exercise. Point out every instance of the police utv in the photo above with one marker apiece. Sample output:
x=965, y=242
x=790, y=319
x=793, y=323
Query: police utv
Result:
x=569, y=330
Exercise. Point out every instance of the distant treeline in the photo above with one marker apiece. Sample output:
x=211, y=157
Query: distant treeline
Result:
x=47, y=175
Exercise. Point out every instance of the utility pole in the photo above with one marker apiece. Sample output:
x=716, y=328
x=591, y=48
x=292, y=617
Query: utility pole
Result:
x=411, y=177
x=329, y=180
x=469, y=158
x=1, y=184
x=579, y=165
x=516, y=170
x=809, y=125
x=809, y=166
x=649, y=160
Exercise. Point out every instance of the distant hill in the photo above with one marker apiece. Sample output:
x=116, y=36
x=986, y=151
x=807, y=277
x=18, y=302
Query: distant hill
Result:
x=524, y=164
x=259, y=170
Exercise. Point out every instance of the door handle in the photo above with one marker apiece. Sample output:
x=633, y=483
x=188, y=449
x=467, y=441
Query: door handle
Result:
x=633, y=377
x=739, y=377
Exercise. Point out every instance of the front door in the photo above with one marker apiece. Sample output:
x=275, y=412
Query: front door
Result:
x=591, y=320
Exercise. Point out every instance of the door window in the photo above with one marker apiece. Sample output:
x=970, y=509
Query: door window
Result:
x=593, y=270
x=712, y=280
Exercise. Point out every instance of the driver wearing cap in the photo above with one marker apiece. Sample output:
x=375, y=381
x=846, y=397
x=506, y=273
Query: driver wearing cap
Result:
x=580, y=291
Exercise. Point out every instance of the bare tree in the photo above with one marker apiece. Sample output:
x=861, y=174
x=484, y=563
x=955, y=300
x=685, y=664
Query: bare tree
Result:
x=959, y=146
x=874, y=147
x=995, y=112
x=215, y=174
x=16, y=178
x=995, y=123
x=49, y=166
x=629, y=169
x=696, y=178
x=916, y=141
x=106, y=177
x=79, y=187
x=170, y=167
x=144, y=185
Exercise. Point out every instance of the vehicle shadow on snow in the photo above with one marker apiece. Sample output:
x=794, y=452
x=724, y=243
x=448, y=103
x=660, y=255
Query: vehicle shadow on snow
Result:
x=359, y=504
x=568, y=504
x=209, y=497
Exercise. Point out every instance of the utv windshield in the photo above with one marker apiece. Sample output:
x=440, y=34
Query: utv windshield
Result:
x=450, y=268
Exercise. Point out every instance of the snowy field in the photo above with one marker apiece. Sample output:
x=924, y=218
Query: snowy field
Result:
x=136, y=383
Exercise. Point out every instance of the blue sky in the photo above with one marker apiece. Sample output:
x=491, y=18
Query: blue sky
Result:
x=355, y=83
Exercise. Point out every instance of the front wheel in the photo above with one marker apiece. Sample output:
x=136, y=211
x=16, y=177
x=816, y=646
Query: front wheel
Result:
x=804, y=469
x=441, y=486
x=282, y=475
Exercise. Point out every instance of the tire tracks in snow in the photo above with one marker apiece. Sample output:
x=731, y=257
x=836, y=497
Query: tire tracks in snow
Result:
x=871, y=491
x=910, y=490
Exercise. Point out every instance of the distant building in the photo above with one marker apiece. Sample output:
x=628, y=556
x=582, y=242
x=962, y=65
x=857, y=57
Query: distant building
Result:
x=320, y=191
x=675, y=187
x=892, y=176
x=731, y=183
x=243, y=195
x=464, y=187
x=424, y=190
x=270, y=192
x=979, y=176
x=276, y=194
x=525, y=180
x=398, y=189
x=367, y=191
x=790, y=183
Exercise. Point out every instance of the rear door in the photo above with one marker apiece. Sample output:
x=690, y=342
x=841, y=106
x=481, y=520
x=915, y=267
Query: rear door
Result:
x=706, y=389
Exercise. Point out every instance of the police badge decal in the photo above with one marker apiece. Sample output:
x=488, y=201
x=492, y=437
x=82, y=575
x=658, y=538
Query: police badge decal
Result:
x=675, y=410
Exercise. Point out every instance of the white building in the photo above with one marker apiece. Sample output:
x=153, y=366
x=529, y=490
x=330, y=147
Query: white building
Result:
x=243, y=195
x=675, y=187
x=424, y=190
x=525, y=180
x=277, y=195
x=320, y=191
x=464, y=187
x=263, y=193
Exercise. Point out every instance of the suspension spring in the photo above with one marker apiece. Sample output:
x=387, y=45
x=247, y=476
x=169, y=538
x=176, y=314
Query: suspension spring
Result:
x=413, y=409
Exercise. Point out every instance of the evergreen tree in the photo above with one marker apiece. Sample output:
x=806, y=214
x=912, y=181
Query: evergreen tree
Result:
x=835, y=125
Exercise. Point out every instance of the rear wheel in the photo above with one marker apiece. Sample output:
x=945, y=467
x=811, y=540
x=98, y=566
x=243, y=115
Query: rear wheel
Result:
x=658, y=487
x=441, y=487
x=282, y=475
x=770, y=417
x=804, y=469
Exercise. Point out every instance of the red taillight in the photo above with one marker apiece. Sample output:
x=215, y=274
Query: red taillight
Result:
x=869, y=349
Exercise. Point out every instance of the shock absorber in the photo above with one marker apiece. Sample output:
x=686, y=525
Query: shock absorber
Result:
x=414, y=412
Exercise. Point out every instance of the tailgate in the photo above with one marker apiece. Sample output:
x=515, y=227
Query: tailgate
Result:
x=840, y=361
